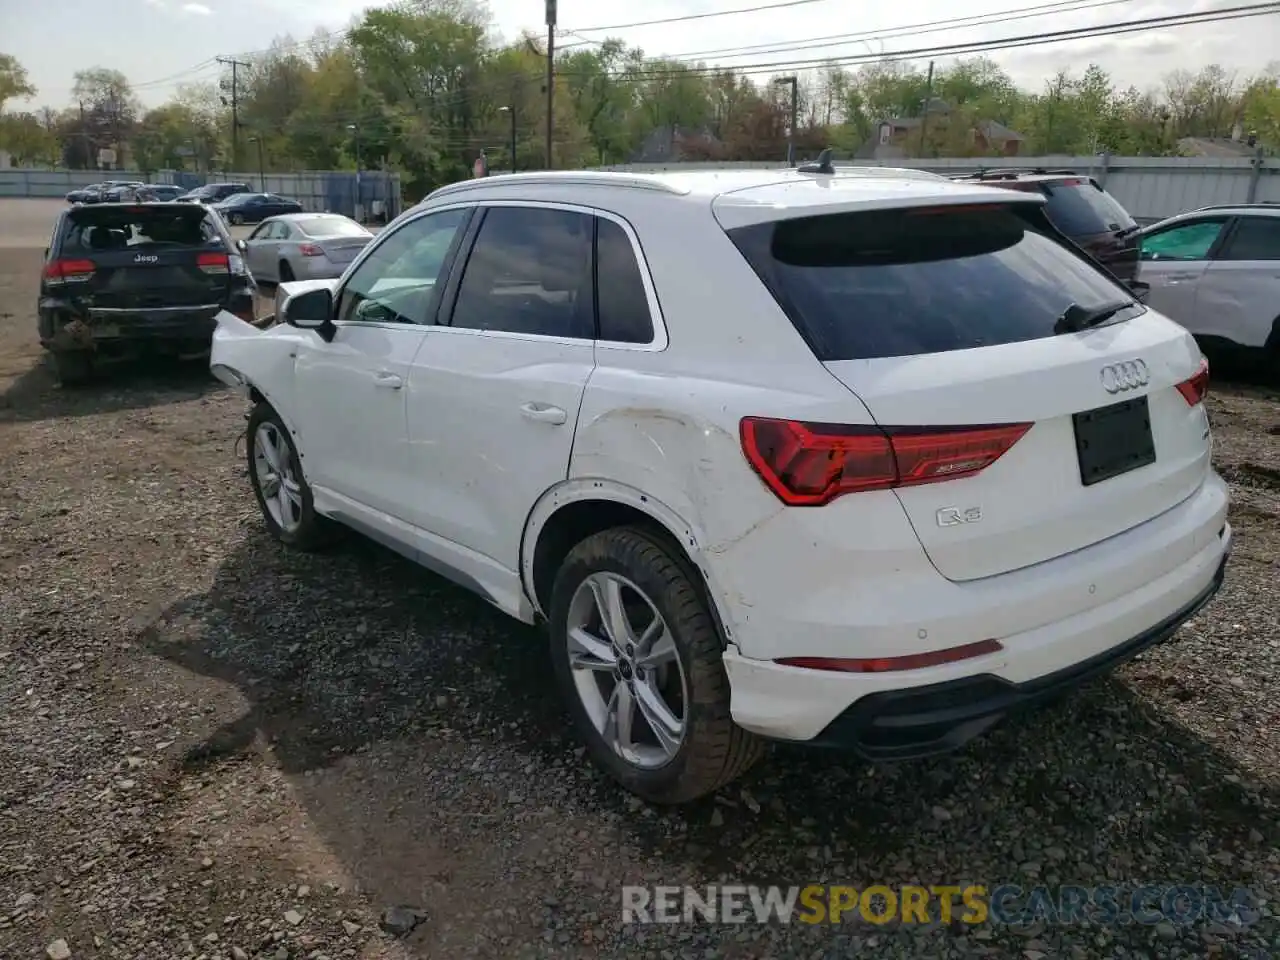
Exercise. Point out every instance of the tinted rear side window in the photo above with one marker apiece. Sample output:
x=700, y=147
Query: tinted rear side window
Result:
x=622, y=303
x=896, y=283
x=1080, y=208
x=1255, y=238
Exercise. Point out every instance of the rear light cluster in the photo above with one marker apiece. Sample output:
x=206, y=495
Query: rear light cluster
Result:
x=809, y=464
x=911, y=661
x=69, y=271
x=214, y=263
x=311, y=250
x=1196, y=388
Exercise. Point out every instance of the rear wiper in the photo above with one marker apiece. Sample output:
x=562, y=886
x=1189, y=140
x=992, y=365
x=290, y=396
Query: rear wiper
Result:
x=1076, y=318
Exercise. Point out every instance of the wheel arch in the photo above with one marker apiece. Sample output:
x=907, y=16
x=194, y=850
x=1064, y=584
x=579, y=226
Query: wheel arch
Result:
x=571, y=511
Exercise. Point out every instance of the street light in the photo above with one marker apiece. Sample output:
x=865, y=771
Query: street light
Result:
x=355, y=131
x=262, y=176
x=511, y=111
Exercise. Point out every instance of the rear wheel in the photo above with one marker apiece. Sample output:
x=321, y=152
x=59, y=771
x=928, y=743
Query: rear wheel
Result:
x=73, y=367
x=237, y=218
x=638, y=658
x=282, y=492
x=286, y=272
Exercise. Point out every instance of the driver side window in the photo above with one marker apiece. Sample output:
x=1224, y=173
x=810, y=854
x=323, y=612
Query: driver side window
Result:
x=396, y=283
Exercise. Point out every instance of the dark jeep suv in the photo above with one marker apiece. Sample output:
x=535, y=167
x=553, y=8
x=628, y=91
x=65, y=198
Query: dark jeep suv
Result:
x=124, y=279
x=1080, y=209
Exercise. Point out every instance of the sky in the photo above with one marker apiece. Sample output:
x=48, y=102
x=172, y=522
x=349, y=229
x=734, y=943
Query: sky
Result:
x=160, y=44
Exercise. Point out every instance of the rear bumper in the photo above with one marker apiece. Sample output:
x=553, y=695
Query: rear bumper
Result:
x=937, y=718
x=1058, y=623
x=105, y=327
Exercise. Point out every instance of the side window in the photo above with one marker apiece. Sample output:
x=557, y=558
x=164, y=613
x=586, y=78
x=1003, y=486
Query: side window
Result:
x=262, y=231
x=622, y=304
x=282, y=232
x=529, y=272
x=1186, y=241
x=1255, y=238
x=397, y=282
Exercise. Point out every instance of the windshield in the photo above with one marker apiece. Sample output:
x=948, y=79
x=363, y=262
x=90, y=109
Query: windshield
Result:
x=1081, y=208
x=897, y=283
x=332, y=227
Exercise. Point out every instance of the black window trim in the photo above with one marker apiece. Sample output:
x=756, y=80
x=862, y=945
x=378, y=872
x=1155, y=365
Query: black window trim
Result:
x=447, y=269
x=658, y=343
x=1215, y=248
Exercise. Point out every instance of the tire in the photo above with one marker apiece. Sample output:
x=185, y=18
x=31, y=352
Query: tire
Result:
x=286, y=272
x=73, y=367
x=712, y=750
x=237, y=219
x=301, y=527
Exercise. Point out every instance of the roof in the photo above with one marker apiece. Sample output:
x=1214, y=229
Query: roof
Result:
x=998, y=131
x=744, y=196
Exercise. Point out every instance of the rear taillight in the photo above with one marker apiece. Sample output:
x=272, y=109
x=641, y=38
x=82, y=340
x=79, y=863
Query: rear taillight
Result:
x=911, y=661
x=69, y=271
x=214, y=263
x=310, y=250
x=1195, y=389
x=809, y=464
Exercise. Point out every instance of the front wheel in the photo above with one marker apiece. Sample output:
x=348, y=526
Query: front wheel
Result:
x=237, y=219
x=281, y=490
x=638, y=657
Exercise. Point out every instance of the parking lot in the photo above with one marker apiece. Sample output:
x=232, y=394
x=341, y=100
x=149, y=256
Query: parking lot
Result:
x=213, y=747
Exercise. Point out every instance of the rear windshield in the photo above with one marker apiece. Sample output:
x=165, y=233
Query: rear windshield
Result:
x=331, y=227
x=127, y=229
x=1080, y=208
x=895, y=283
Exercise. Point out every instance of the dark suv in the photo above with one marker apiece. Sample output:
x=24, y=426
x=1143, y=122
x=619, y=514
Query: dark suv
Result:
x=213, y=192
x=1081, y=210
x=123, y=279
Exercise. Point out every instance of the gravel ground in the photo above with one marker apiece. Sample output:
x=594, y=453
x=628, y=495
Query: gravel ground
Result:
x=216, y=748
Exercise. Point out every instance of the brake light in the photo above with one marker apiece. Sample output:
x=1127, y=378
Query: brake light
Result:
x=1196, y=388
x=310, y=250
x=809, y=464
x=913, y=661
x=69, y=271
x=214, y=262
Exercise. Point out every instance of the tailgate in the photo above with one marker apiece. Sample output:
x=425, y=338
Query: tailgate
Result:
x=1031, y=407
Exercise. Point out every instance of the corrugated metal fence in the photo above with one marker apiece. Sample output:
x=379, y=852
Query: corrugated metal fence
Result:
x=318, y=190
x=1150, y=188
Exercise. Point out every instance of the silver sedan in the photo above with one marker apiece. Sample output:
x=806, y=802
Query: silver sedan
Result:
x=303, y=246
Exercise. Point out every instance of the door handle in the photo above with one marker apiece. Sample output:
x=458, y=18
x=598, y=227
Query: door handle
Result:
x=388, y=381
x=543, y=413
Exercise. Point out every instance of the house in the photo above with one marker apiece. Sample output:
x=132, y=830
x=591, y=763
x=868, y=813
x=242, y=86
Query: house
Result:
x=899, y=137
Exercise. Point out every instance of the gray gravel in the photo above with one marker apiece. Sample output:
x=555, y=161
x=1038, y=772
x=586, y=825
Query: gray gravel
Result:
x=216, y=748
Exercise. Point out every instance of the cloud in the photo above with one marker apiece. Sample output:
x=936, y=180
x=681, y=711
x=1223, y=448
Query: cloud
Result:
x=199, y=9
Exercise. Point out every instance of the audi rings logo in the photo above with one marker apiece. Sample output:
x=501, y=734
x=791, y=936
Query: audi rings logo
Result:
x=1126, y=375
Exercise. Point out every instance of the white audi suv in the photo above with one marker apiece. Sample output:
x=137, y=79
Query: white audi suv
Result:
x=858, y=457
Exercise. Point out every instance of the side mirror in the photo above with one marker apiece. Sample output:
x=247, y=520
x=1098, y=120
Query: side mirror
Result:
x=312, y=310
x=241, y=246
x=1140, y=290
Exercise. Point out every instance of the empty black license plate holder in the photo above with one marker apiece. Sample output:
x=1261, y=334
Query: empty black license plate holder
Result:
x=1113, y=440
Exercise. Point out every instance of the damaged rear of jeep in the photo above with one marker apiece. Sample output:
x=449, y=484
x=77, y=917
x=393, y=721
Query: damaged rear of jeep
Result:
x=123, y=280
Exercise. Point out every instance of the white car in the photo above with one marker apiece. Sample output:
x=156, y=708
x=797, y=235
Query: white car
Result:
x=1216, y=271
x=868, y=459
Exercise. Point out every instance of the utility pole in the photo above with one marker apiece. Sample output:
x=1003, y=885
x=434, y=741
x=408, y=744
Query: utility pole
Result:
x=235, y=107
x=794, y=83
x=928, y=99
x=551, y=77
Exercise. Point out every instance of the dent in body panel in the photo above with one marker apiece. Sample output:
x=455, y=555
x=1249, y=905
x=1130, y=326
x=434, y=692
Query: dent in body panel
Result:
x=261, y=359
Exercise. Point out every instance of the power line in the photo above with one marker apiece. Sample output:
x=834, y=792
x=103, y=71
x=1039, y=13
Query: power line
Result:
x=977, y=46
x=934, y=26
x=697, y=16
